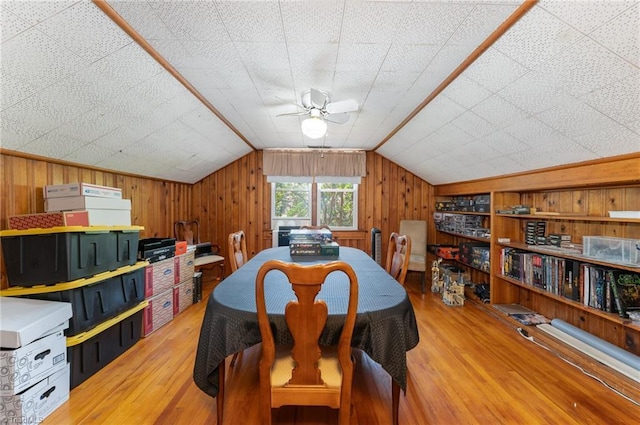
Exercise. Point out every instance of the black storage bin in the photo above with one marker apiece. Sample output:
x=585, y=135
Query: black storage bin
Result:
x=98, y=301
x=63, y=254
x=90, y=352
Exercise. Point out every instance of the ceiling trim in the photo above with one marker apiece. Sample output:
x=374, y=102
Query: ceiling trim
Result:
x=495, y=35
x=124, y=25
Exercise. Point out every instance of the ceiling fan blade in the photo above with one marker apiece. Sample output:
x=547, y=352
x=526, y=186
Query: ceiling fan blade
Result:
x=337, y=118
x=293, y=113
x=318, y=99
x=347, y=105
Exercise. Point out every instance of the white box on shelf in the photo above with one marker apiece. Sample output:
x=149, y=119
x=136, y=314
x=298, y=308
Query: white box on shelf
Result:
x=78, y=189
x=624, y=214
x=33, y=405
x=68, y=203
x=614, y=250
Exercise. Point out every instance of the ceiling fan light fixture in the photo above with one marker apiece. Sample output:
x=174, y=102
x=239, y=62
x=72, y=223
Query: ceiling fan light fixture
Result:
x=314, y=127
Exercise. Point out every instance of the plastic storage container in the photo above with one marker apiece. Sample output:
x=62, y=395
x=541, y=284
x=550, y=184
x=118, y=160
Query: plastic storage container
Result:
x=614, y=250
x=90, y=351
x=62, y=254
x=93, y=300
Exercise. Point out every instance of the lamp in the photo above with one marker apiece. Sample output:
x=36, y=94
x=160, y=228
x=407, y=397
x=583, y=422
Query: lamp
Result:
x=314, y=127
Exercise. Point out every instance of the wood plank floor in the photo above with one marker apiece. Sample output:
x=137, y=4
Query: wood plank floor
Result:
x=470, y=367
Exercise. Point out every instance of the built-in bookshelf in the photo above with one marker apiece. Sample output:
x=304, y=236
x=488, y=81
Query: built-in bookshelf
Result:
x=567, y=202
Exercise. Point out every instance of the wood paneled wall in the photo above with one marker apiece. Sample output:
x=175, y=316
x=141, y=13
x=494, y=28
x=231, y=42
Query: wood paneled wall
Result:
x=155, y=205
x=239, y=197
x=233, y=198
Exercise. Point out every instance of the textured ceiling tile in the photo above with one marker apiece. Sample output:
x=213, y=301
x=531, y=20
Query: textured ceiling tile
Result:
x=10, y=25
x=264, y=55
x=37, y=59
x=466, y=92
x=191, y=20
x=357, y=57
x=14, y=90
x=586, y=66
x=53, y=145
x=85, y=30
x=474, y=124
x=549, y=155
x=252, y=21
x=575, y=119
x=409, y=57
x=533, y=93
x=303, y=80
x=622, y=35
x=504, y=165
x=538, y=37
x=494, y=70
x=35, y=12
x=128, y=66
x=585, y=15
x=90, y=154
x=498, y=111
x=15, y=132
x=312, y=56
x=143, y=18
x=431, y=22
x=503, y=142
x=217, y=55
x=619, y=101
x=482, y=20
x=618, y=140
x=312, y=22
x=534, y=132
x=369, y=22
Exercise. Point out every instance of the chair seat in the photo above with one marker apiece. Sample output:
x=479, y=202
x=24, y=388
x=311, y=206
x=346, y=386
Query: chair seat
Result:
x=328, y=364
x=207, y=259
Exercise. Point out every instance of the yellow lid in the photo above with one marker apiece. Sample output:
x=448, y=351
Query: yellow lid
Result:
x=70, y=229
x=82, y=337
x=43, y=289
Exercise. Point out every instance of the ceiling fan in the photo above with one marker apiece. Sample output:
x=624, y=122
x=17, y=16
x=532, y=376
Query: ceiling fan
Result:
x=320, y=109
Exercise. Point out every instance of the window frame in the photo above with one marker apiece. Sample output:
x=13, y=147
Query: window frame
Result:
x=354, y=214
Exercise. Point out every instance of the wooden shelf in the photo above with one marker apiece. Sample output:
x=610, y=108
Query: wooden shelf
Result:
x=576, y=304
x=474, y=238
x=570, y=217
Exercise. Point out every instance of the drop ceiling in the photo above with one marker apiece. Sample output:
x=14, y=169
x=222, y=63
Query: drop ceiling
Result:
x=561, y=85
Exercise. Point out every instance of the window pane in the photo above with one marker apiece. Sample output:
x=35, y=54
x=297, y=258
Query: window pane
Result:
x=292, y=200
x=336, y=205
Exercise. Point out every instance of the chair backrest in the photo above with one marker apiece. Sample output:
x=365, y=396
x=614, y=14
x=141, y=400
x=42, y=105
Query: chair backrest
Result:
x=308, y=226
x=237, y=250
x=417, y=231
x=306, y=317
x=187, y=231
x=398, y=256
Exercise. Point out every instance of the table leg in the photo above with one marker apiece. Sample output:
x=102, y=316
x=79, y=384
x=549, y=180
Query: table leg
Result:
x=220, y=396
x=395, y=400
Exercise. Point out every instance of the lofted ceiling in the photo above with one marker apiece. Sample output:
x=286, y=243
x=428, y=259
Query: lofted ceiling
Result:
x=178, y=89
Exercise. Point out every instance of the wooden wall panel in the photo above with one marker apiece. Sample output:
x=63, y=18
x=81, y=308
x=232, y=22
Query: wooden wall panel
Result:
x=156, y=204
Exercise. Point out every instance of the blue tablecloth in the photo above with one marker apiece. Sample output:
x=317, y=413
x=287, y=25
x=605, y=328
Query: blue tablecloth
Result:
x=385, y=325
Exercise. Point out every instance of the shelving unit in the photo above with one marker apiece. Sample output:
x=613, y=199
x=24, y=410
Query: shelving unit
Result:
x=577, y=212
x=575, y=200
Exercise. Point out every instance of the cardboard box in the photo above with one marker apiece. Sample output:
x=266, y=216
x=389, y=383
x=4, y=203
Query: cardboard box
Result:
x=25, y=366
x=158, y=313
x=182, y=296
x=23, y=321
x=81, y=189
x=68, y=203
x=50, y=219
x=159, y=277
x=35, y=404
x=184, y=267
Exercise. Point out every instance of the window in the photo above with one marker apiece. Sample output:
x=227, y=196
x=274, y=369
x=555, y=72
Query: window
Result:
x=296, y=203
x=338, y=205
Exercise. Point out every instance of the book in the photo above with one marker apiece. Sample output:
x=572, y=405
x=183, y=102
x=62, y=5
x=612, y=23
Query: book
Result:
x=625, y=286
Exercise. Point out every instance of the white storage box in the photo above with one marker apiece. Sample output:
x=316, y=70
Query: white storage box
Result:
x=23, y=367
x=22, y=320
x=37, y=402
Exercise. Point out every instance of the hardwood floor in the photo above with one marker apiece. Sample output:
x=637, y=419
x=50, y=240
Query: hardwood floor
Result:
x=470, y=367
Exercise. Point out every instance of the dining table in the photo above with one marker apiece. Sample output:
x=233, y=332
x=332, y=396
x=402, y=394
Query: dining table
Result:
x=385, y=326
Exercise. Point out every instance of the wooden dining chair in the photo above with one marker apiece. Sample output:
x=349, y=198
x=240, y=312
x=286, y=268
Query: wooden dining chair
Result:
x=306, y=374
x=308, y=226
x=398, y=256
x=417, y=231
x=237, y=250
